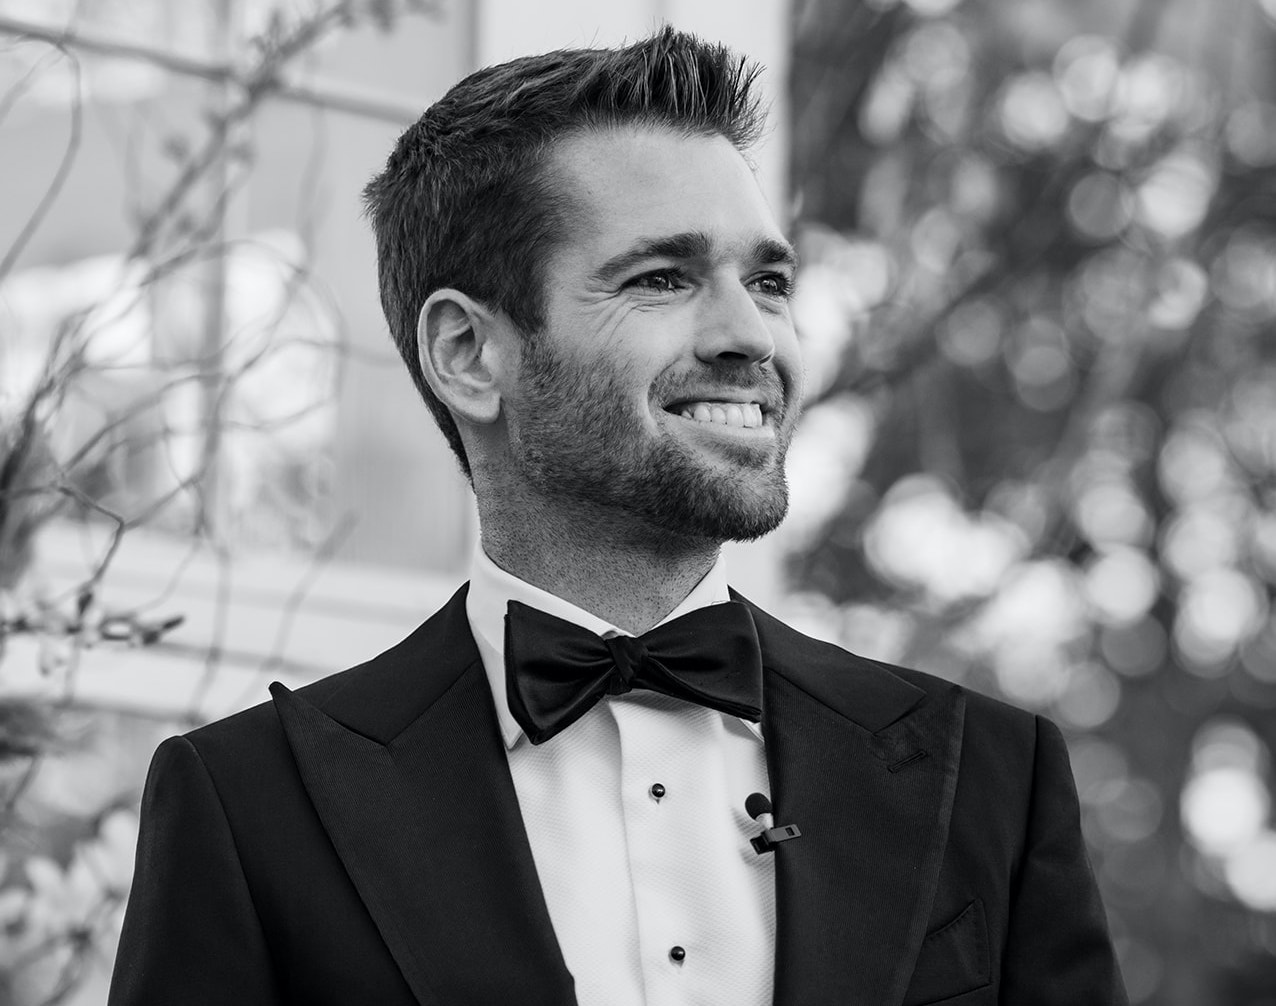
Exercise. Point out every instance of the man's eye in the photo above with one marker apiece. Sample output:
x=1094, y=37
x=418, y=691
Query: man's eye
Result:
x=774, y=284
x=660, y=281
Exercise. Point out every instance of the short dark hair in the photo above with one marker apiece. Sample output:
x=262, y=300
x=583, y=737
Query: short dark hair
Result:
x=464, y=200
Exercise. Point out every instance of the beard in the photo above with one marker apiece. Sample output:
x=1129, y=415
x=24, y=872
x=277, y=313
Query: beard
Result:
x=578, y=439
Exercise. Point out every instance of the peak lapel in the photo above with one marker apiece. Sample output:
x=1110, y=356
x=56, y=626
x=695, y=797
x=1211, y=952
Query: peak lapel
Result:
x=406, y=769
x=865, y=764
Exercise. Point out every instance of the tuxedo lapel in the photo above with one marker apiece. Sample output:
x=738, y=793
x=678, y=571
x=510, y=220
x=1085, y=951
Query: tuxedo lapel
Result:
x=865, y=764
x=404, y=764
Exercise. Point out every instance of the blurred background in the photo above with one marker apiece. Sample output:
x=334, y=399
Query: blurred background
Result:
x=1038, y=305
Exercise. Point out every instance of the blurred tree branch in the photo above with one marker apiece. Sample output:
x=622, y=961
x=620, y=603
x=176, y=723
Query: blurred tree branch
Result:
x=328, y=96
x=45, y=471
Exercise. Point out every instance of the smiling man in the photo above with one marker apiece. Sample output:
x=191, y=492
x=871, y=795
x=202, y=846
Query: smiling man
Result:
x=557, y=790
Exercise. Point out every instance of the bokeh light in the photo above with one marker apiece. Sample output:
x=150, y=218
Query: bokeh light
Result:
x=1108, y=511
x=823, y=461
x=1251, y=872
x=1193, y=462
x=972, y=334
x=1099, y=206
x=885, y=112
x=1250, y=423
x=1224, y=808
x=1087, y=70
x=936, y=56
x=920, y=537
x=1218, y=611
x=1033, y=114
x=1200, y=538
x=1251, y=134
x=1122, y=584
x=1180, y=291
x=932, y=8
x=1245, y=274
x=1112, y=289
x=1174, y=198
x=1226, y=802
x=1089, y=698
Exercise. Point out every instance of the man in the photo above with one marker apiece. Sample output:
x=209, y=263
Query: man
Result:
x=522, y=803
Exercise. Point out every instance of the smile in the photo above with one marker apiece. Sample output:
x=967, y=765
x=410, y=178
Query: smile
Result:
x=736, y=421
x=739, y=414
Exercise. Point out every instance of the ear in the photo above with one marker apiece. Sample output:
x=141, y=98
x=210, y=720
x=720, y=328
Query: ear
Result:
x=460, y=348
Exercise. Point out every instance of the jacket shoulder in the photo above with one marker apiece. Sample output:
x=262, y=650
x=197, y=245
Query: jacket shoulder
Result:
x=981, y=708
x=256, y=723
x=878, y=692
x=1003, y=730
x=405, y=677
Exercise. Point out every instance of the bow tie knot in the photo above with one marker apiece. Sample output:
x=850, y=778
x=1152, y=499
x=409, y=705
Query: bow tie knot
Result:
x=556, y=671
x=629, y=656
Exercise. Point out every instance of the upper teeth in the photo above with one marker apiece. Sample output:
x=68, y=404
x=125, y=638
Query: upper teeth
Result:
x=747, y=414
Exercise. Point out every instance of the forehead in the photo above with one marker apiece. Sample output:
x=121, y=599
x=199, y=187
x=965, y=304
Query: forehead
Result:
x=627, y=185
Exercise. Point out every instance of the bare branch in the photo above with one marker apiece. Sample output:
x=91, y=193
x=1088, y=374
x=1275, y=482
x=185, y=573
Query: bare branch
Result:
x=334, y=96
x=319, y=561
x=217, y=644
x=59, y=176
x=21, y=86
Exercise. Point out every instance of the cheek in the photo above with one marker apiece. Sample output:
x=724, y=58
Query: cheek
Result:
x=788, y=353
x=637, y=349
x=601, y=324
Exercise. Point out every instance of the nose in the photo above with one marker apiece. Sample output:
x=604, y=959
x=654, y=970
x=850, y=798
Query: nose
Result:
x=733, y=327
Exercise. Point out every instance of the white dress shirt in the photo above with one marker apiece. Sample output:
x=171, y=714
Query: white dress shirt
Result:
x=628, y=877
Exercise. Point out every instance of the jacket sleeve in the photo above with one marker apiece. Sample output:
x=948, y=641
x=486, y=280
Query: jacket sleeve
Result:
x=1058, y=950
x=191, y=934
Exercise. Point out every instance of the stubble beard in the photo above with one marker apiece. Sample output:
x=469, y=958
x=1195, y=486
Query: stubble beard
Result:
x=579, y=441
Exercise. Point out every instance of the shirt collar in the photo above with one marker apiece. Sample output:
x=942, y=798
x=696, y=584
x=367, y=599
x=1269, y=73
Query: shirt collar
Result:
x=491, y=590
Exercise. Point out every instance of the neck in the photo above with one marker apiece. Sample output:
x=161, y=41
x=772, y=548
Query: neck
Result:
x=631, y=576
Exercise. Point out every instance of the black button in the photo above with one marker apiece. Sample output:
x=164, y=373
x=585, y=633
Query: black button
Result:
x=677, y=954
x=657, y=791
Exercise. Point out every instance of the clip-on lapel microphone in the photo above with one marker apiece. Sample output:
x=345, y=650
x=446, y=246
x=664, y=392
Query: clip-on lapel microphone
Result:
x=757, y=806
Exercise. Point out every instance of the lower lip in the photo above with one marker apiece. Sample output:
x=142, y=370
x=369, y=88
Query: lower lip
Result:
x=758, y=434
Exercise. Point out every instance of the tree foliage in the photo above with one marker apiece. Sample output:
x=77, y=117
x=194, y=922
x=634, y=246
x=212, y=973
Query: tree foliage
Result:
x=1039, y=297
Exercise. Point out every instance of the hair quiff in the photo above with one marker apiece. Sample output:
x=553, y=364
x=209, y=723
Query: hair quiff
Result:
x=465, y=200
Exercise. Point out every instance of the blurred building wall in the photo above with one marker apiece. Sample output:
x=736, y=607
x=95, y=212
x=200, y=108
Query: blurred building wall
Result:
x=392, y=469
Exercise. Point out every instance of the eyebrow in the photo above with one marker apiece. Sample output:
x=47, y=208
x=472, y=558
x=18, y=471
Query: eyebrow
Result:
x=691, y=245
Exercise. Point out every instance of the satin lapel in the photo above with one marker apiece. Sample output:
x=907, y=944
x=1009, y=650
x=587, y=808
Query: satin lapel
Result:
x=865, y=764
x=404, y=764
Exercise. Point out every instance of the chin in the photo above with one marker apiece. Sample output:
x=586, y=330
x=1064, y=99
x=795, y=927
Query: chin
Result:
x=722, y=507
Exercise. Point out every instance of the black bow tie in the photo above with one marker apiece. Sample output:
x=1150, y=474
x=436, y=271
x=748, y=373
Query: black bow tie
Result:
x=555, y=671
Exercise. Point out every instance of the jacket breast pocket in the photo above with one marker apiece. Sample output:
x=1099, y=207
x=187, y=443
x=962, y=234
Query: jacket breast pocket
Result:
x=953, y=961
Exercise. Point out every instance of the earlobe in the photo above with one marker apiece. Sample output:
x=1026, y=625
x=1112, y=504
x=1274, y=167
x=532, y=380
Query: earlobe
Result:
x=457, y=355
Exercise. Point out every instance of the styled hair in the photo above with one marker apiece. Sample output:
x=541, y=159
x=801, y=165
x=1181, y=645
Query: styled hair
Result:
x=466, y=200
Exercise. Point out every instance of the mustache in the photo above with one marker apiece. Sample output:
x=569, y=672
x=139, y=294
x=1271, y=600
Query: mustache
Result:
x=756, y=378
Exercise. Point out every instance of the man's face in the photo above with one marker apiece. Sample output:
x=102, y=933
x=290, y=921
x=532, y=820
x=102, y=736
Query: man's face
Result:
x=666, y=383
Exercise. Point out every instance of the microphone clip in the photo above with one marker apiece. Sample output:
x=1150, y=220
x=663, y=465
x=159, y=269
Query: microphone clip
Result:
x=758, y=806
x=769, y=839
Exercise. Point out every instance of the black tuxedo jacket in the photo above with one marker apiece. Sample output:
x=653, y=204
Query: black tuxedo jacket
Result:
x=359, y=842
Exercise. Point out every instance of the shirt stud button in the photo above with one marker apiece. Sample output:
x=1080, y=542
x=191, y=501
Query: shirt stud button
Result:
x=677, y=954
x=657, y=790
